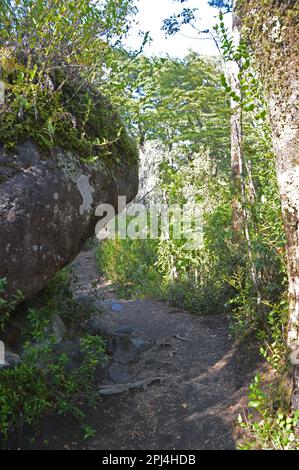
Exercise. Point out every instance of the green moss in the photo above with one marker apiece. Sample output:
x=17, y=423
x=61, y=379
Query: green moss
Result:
x=271, y=29
x=61, y=114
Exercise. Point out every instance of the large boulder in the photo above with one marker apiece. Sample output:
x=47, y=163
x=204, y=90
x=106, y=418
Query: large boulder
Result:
x=47, y=206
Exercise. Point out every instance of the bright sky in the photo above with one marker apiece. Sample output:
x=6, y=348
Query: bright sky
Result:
x=150, y=18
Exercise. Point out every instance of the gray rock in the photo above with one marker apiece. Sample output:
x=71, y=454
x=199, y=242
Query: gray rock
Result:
x=119, y=373
x=11, y=359
x=47, y=208
x=141, y=343
x=95, y=326
x=122, y=330
x=127, y=348
x=124, y=345
x=123, y=350
x=71, y=348
x=58, y=328
x=106, y=305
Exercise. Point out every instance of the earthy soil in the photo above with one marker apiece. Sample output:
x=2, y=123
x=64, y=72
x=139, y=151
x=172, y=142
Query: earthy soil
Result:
x=201, y=377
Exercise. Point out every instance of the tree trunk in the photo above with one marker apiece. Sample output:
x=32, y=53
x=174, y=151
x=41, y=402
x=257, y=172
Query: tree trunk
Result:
x=272, y=30
x=236, y=138
x=240, y=214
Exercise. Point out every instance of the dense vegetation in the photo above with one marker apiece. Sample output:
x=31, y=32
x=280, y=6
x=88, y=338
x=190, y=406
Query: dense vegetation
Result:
x=179, y=112
x=52, y=56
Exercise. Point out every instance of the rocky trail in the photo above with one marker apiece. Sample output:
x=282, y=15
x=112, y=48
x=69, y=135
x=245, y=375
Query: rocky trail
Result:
x=174, y=380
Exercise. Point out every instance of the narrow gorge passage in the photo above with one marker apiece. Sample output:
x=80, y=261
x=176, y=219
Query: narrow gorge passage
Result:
x=175, y=381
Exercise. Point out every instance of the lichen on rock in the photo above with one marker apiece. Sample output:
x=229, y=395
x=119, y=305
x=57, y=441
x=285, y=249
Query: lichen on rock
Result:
x=63, y=151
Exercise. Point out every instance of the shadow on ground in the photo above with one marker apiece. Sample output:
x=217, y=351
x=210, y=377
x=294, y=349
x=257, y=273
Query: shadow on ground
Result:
x=203, y=379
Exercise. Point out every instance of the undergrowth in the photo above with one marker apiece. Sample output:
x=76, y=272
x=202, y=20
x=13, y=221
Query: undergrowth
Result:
x=60, y=113
x=46, y=379
x=268, y=428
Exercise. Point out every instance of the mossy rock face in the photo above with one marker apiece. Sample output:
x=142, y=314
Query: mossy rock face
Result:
x=57, y=164
x=59, y=112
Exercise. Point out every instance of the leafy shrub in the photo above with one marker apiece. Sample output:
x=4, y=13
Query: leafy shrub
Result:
x=131, y=264
x=44, y=381
x=268, y=428
x=274, y=335
x=7, y=306
x=52, y=54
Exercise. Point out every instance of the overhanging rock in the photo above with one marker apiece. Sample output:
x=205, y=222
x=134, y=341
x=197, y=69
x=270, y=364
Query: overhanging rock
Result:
x=47, y=209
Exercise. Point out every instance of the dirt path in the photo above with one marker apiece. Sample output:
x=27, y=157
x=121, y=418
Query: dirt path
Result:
x=181, y=379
